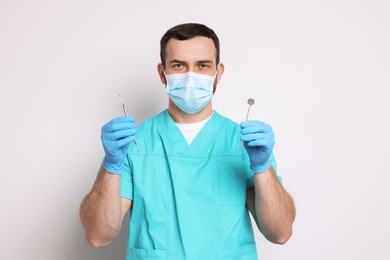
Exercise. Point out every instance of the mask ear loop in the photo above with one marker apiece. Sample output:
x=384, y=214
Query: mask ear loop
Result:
x=215, y=75
x=165, y=75
x=215, y=81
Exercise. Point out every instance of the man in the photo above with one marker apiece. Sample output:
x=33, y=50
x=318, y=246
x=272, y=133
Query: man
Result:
x=196, y=174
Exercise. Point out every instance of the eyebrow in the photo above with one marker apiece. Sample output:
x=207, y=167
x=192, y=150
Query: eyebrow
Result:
x=199, y=61
x=176, y=61
x=205, y=61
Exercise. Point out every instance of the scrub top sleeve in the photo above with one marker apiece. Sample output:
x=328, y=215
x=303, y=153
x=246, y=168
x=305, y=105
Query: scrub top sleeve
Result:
x=126, y=189
x=250, y=182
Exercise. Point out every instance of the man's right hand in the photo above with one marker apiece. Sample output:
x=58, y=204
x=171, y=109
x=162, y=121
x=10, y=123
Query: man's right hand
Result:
x=116, y=137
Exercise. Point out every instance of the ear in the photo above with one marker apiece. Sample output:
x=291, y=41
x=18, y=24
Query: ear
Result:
x=160, y=70
x=221, y=69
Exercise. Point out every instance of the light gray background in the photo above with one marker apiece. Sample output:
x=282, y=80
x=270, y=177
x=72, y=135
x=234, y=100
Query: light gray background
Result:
x=319, y=71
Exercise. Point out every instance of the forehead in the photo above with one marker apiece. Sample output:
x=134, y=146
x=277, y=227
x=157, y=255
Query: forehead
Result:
x=197, y=48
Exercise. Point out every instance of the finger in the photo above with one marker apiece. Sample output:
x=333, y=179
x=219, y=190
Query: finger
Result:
x=258, y=128
x=250, y=123
x=116, y=126
x=125, y=141
x=120, y=134
x=120, y=120
x=255, y=126
x=123, y=119
x=258, y=142
x=252, y=137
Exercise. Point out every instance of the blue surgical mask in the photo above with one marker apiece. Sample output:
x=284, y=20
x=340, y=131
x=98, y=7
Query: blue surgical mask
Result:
x=190, y=91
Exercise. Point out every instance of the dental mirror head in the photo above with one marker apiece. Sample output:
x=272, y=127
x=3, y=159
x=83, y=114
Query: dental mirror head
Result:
x=251, y=101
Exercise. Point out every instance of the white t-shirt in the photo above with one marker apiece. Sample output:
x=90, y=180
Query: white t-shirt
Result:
x=190, y=131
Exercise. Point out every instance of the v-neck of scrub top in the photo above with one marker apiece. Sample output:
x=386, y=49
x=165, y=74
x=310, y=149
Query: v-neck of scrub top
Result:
x=191, y=130
x=177, y=142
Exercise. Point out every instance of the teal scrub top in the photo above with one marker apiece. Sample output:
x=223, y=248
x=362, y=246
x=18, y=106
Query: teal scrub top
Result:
x=188, y=200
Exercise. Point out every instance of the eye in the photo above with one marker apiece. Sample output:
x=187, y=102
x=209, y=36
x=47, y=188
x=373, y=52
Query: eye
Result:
x=178, y=66
x=204, y=66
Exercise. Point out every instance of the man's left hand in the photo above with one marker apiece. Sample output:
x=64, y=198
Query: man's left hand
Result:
x=259, y=141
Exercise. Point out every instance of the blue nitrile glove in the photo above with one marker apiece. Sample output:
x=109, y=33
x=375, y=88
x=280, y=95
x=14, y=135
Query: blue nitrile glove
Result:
x=116, y=137
x=259, y=141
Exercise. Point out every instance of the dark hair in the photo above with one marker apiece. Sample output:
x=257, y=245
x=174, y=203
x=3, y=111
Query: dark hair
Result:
x=187, y=31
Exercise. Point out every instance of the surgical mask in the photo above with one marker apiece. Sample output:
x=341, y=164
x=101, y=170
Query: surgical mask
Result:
x=190, y=91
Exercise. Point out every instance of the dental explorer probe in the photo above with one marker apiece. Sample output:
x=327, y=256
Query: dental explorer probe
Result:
x=124, y=110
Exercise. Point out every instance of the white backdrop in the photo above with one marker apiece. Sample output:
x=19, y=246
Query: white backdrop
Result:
x=319, y=71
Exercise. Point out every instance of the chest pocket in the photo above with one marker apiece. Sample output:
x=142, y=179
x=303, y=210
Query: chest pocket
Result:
x=235, y=226
x=148, y=231
x=232, y=177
